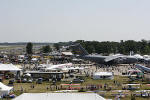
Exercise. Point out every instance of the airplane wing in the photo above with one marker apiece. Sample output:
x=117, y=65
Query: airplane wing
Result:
x=52, y=67
x=142, y=68
x=110, y=58
x=59, y=66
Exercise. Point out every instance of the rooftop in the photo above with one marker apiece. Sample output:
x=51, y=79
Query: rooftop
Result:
x=59, y=96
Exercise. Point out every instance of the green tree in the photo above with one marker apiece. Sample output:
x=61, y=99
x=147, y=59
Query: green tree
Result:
x=29, y=47
x=57, y=46
x=123, y=47
x=144, y=46
x=130, y=45
x=114, y=47
x=46, y=49
x=146, y=49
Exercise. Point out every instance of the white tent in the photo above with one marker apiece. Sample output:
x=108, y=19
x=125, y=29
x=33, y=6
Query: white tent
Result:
x=28, y=75
x=103, y=75
x=34, y=59
x=59, y=96
x=4, y=90
x=8, y=67
x=67, y=53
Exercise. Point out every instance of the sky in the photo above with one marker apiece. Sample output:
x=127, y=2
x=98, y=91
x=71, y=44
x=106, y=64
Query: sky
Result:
x=70, y=20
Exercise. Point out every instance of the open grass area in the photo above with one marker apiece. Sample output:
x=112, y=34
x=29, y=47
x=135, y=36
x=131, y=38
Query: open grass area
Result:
x=109, y=94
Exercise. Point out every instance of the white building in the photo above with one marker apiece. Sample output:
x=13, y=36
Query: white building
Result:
x=103, y=75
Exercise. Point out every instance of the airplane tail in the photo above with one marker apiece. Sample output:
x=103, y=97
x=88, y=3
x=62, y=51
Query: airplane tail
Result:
x=78, y=49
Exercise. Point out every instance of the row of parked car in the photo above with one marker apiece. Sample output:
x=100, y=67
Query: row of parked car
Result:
x=39, y=81
x=25, y=80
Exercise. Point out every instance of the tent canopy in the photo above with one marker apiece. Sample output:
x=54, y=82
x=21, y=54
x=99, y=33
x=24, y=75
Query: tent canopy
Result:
x=4, y=90
x=4, y=87
x=8, y=67
x=67, y=53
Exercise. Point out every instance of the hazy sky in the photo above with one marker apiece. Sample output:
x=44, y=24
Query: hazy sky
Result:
x=69, y=20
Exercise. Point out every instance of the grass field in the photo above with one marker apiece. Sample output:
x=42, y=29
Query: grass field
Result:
x=47, y=87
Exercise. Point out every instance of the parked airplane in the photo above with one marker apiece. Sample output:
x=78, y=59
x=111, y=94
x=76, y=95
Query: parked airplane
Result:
x=143, y=68
x=59, y=66
x=143, y=59
x=107, y=60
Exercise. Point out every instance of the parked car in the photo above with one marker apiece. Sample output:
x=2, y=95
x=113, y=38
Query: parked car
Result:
x=24, y=80
x=11, y=82
x=77, y=80
x=7, y=77
x=71, y=75
x=1, y=79
x=39, y=81
x=30, y=80
x=18, y=80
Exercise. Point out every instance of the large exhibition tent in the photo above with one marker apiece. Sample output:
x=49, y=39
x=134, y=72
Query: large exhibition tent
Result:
x=59, y=96
x=5, y=90
x=9, y=67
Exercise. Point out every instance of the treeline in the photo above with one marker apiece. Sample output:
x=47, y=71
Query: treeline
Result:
x=24, y=43
x=44, y=49
x=123, y=47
